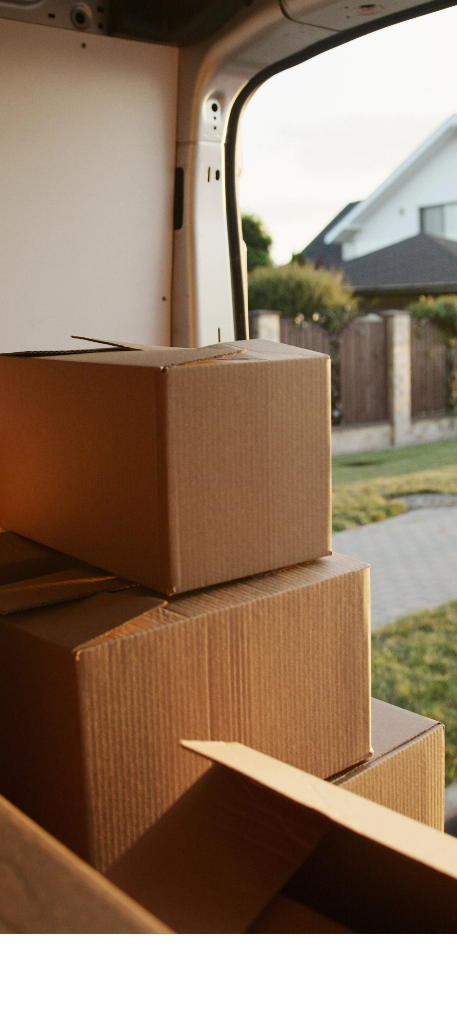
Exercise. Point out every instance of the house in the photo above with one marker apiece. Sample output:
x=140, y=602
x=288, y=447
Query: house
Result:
x=402, y=239
x=324, y=254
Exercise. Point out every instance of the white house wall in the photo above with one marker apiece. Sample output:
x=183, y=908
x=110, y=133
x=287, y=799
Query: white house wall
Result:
x=86, y=187
x=433, y=183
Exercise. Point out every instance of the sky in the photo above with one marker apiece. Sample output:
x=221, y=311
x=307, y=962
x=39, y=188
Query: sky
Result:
x=330, y=131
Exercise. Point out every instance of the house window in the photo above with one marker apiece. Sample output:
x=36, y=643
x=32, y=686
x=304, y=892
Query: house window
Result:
x=432, y=220
x=440, y=220
x=450, y=221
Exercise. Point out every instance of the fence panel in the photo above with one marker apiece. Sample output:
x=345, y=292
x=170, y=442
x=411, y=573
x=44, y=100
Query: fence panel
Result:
x=363, y=372
x=428, y=370
x=304, y=335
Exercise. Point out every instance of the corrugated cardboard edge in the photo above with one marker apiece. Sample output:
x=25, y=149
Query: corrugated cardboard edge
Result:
x=366, y=818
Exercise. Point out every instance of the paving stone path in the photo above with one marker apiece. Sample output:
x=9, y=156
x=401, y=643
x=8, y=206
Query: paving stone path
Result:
x=413, y=560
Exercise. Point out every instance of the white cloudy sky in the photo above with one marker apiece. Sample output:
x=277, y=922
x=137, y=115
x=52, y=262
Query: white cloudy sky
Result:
x=328, y=132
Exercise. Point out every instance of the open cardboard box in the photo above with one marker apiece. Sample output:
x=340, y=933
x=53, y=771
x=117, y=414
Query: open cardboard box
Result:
x=175, y=468
x=259, y=846
x=45, y=889
x=96, y=693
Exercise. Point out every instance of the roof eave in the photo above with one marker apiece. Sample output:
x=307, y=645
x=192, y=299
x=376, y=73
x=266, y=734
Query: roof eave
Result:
x=424, y=288
x=421, y=154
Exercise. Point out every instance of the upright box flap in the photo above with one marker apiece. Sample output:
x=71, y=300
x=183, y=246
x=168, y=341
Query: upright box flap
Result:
x=360, y=816
x=214, y=860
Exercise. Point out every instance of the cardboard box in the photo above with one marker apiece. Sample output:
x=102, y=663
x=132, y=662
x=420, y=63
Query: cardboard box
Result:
x=96, y=693
x=406, y=770
x=262, y=847
x=45, y=889
x=175, y=468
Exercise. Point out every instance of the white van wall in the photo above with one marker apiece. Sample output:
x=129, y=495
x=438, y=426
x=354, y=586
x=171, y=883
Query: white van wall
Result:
x=87, y=128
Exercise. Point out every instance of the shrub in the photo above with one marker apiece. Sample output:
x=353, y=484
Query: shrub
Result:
x=257, y=241
x=295, y=289
x=441, y=310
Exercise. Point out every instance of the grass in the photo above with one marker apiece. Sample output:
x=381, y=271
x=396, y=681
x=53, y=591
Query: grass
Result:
x=385, y=463
x=369, y=487
x=415, y=667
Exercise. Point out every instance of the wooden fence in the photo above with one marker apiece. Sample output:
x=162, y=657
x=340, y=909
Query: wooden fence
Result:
x=428, y=371
x=364, y=372
x=362, y=367
x=305, y=335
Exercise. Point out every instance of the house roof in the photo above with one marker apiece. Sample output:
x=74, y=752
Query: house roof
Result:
x=343, y=230
x=322, y=254
x=424, y=263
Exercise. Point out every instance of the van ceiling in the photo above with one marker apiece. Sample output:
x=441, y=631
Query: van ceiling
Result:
x=173, y=22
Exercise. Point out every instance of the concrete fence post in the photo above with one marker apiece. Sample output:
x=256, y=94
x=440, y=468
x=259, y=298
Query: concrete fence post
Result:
x=265, y=323
x=398, y=334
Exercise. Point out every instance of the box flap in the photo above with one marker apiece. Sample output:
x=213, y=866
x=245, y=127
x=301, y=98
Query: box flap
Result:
x=263, y=350
x=153, y=357
x=215, y=859
x=363, y=817
x=165, y=358
x=32, y=576
x=76, y=623
x=71, y=584
x=46, y=889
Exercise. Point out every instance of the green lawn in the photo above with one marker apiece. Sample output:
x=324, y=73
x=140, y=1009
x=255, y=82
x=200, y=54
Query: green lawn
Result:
x=415, y=667
x=369, y=486
x=365, y=466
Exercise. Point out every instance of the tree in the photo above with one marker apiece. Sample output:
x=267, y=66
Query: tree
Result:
x=257, y=242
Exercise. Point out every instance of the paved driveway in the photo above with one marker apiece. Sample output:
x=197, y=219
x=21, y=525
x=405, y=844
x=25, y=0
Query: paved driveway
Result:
x=413, y=561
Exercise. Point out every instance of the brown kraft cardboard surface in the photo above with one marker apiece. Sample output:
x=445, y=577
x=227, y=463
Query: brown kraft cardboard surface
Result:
x=174, y=468
x=96, y=693
x=45, y=889
x=406, y=770
x=259, y=846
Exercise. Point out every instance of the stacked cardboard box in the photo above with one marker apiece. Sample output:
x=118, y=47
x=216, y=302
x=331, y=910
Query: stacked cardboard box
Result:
x=101, y=690
x=173, y=467
x=202, y=480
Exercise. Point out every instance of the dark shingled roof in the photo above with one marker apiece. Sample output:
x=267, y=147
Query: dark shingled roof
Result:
x=318, y=252
x=423, y=263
